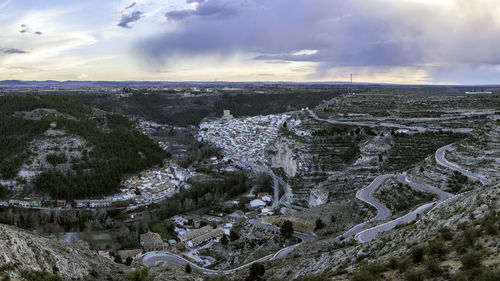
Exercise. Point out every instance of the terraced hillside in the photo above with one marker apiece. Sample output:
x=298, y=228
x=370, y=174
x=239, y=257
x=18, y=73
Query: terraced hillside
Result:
x=457, y=240
x=315, y=156
x=408, y=149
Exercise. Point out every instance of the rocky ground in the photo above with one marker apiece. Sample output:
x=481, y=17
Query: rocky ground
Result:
x=23, y=251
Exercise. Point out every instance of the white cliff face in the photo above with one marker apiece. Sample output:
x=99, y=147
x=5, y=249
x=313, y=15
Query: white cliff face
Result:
x=285, y=157
x=318, y=196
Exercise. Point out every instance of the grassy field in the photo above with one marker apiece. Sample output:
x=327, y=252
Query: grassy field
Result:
x=101, y=240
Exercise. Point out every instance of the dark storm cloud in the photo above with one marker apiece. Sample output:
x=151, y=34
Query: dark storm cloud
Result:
x=178, y=15
x=12, y=51
x=344, y=33
x=126, y=19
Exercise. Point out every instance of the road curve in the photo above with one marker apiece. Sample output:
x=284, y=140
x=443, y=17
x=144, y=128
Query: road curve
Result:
x=366, y=195
x=441, y=160
x=153, y=258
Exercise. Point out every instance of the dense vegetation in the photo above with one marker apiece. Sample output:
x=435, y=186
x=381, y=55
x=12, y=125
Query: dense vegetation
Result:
x=170, y=108
x=115, y=147
x=203, y=194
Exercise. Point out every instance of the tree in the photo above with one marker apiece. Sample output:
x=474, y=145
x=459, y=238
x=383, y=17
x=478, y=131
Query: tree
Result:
x=118, y=258
x=233, y=235
x=129, y=261
x=333, y=218
x=319, y=224
x=224, y=239
x=257, y=270
x=188, y=269
x=139, y=275
x=287, y=229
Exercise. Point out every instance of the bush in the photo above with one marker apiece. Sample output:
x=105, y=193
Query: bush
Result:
x=437, y=248
x=118, y=259
x=257, y=270
x=129, y=261
x=224, y=239
x=446, y=233
x=287, y=229
x=417, y=253
x=416, y=275
x=319, y=224
x=188, y=269
x=471, y=259
x=432, y=265
x=139, y=275
x=34, y=275
x=233, y=235
x=370, y=271
x=403, y=265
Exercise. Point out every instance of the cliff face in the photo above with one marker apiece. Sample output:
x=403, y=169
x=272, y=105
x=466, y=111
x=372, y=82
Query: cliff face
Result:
x=285, y=157
x=26, y=251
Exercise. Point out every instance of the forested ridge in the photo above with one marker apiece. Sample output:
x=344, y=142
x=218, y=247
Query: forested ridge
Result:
x=114, y=148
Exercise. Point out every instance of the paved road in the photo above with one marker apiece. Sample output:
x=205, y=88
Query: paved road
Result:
x=384, y=124
x=366, y=195
x=153, y=258
x=441, y=160
x=443, y=195
x=369, y=234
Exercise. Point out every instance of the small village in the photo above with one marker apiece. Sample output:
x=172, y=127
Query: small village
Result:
x=243, y=138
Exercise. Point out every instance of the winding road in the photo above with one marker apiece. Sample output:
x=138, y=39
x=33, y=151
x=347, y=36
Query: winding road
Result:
x=441, y=160
x=371, y=233
x=153, y=258
x=365, y=195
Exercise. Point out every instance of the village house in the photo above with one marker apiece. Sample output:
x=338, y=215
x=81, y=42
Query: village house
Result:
x=205, y=237
x=61, y=203
x=151, y=241
x=13, y=202
x=124, y=254
x=195, y=233
x=92, y=203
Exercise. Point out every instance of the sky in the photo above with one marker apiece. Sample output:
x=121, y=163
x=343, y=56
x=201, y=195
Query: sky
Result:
x=381, y=41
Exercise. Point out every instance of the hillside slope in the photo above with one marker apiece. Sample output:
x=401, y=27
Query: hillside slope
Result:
x=57, y=145
x=457, y=240
x=23, y=251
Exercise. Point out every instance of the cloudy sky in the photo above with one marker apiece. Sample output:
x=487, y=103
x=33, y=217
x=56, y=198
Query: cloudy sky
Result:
x=388, y=41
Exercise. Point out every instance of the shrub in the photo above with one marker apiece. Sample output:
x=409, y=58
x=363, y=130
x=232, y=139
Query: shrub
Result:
x=224, y=239
x=139, y=275
x=446, y=233
x=188, y=269
x=34, y=275
x=417, y=253
x=416, y=275
x=471, y=259
x=437, y=248
x=257, y=270
x=432, y=265
x=403, y=265
x=118, y=259
x=319, y=224
x=287, y=229
x=233, y=235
